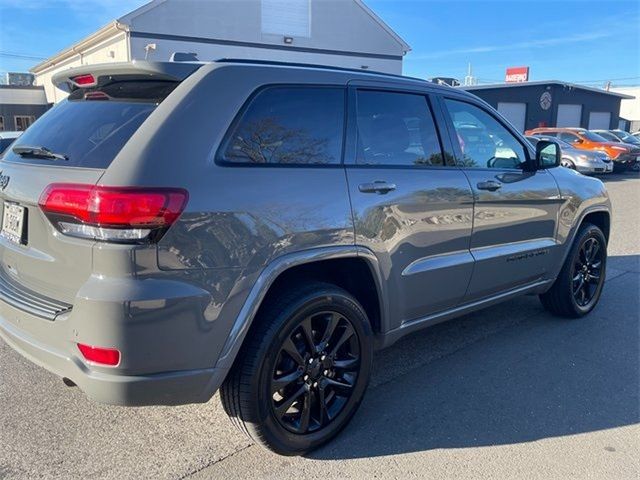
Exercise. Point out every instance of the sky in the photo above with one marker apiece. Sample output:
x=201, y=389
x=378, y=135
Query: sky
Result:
x=581, y=41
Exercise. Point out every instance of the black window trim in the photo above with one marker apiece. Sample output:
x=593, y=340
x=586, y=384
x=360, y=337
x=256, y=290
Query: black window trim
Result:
x=352, y=132
x=456, y=145
x=219, y=158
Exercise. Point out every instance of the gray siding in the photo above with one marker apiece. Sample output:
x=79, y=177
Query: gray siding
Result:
x=590, y=101
x=8, y=112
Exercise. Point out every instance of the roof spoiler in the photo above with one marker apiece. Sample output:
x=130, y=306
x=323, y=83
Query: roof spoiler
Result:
x=89, y=75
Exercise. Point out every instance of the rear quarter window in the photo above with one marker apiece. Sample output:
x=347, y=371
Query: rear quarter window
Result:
x=91, y=126
x=288, y=126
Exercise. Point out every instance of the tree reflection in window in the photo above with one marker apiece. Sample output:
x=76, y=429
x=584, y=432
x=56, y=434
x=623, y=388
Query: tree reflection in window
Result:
x=290, y=125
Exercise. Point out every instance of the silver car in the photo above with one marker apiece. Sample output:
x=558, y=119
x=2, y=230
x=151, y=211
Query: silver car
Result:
x=171, y=229
x=587, y=162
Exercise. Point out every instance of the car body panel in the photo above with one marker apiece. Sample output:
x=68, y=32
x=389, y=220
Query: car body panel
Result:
x=179, y=310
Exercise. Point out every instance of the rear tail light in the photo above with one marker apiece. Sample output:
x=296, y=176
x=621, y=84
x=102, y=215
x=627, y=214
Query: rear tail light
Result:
x=99, y=355
x=112, y=214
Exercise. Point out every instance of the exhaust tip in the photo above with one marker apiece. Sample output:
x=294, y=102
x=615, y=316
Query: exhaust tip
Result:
x=68, y=382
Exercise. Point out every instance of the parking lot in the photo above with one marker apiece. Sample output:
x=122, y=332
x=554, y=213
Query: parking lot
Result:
x=507, y=392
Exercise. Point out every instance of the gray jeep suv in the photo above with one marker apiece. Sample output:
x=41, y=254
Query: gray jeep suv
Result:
x=172, y=229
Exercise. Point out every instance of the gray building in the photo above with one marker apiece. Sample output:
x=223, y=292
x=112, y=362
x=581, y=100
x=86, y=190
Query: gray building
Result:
x=553, y=103
x=20, y=106
x=343, y=33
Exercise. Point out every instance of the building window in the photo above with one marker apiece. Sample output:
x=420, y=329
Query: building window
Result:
x=1, y=124
x=287, y=17
x=289, y=126
x=23, y=122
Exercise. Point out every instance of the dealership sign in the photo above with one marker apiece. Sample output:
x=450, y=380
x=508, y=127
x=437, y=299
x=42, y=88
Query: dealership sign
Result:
x=517, y=74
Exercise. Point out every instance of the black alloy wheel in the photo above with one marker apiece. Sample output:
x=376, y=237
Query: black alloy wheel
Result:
x=303, y=369
x=315, y=372
x=579, y=284
x=587, y=271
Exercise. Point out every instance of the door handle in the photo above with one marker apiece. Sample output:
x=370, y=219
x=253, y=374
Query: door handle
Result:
x=378, y=187
x=490, y=185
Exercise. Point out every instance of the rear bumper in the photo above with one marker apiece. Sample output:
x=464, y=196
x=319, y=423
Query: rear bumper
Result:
x=172, y=388
x=156, y=377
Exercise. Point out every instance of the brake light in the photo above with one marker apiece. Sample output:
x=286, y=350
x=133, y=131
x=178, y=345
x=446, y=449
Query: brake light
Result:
x=118, y=214
x=100, y=355
x=86, y=80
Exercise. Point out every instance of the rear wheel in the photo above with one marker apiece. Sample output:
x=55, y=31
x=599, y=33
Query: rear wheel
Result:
x=579, y=285
x=303, y=370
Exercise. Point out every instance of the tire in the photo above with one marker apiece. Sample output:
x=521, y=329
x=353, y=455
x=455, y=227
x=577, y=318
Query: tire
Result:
x=250, y=394
x=579, y=285
x=567, y=163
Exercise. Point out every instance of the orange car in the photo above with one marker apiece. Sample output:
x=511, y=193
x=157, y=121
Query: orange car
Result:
x=624, y=156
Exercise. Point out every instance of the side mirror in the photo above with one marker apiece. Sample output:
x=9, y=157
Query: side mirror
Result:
x=548, y=154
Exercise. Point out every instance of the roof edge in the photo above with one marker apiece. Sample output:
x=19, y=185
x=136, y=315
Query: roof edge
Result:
x=488, y=86
x=384, y=25
x=96, y=37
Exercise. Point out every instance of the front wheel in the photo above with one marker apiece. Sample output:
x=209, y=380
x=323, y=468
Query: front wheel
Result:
x=566, y=163
x=579, y=285
x=303, y=370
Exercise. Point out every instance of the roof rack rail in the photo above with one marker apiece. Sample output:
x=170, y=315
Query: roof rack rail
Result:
x=313, y=65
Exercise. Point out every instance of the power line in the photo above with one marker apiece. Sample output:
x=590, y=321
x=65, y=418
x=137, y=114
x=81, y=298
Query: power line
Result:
x=20, y=55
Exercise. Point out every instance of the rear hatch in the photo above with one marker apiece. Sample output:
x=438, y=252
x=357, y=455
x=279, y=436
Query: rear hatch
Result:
x=71, y=145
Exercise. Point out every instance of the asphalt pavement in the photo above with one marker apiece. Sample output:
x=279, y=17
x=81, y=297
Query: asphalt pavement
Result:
x=509, y=392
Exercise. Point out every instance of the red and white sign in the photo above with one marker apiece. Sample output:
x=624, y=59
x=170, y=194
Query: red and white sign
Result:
x=517, y=74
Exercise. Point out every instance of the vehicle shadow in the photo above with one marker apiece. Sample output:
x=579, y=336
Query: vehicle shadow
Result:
x=509, y=374
x=619, y=176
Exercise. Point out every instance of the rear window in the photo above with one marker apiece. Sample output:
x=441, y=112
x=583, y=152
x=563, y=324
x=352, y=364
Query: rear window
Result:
x=91, y=126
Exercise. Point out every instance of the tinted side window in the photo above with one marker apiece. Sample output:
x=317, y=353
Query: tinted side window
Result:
x=484, y=142
x=289, y=125
x=396, y=129
x=569, y=137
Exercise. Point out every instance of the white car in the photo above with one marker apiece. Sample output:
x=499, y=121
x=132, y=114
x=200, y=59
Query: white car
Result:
x=6, y=139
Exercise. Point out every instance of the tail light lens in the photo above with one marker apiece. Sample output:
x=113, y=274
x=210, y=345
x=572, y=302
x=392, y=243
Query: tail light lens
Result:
x=112, y=214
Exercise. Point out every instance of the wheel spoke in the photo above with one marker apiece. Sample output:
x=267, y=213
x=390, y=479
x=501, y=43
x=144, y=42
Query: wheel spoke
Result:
x=343, y=387
x=593, y=252
x=334, y=319
x=594, y=279
x=283, y=408
x=577, y=289
x=346, y=335
x=322, y=407
x=279, y=383
x=596, y=265
x=306, y=413
x=290, y=348
x=348, y=365
x=307, y=331
x=583, y=294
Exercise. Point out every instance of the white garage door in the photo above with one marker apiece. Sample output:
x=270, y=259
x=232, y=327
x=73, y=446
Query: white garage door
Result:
x=516, y=113
x=599, y=120
x=568, y=115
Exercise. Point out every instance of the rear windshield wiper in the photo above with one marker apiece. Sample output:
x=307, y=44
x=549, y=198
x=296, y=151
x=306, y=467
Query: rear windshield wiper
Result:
x=38, y=152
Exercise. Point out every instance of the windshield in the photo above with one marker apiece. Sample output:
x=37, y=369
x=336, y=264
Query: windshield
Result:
x=592, y=137
x=627, y=137
x=90, y=133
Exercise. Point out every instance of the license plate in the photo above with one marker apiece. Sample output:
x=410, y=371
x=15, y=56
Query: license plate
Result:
x=13, y=223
